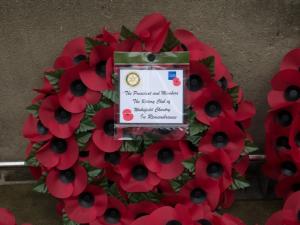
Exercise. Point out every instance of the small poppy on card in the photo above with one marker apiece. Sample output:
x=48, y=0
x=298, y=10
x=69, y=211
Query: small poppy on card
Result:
x=176, y=81
x=127, y=114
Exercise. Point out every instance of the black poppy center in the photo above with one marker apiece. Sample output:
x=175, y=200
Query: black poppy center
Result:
x=197, y=195
x=78, y=88
x=192, y=147
x=77, y=59
x=213, y=109
x=86, y=199
x=109, y=127
x=173, y=222
x=112, y=157
x=284, y=118
x=101, y=68
x=41, y=129
x=282, y=142
x=67, y=176
x=292, y=93
x=112, y=216
x=84, y=154
x=194, y=82
x=165, y=155
x=204, y=222
x=139, y=172
x=288, y=168
x=59, y=145
x=223, y=83
x=296, y=187
x=297, y=139
x=62, y=116
x=214, y=170
x=220, y=140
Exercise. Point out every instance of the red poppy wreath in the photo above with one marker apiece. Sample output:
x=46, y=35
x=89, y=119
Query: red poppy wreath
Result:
x=8, y=218
x=282, y=127
x=100, y=180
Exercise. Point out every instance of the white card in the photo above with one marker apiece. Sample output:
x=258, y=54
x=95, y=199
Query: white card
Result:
x=151, y=96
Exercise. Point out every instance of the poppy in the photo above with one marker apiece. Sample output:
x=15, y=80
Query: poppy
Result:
x=135, y=176
x=105, y=135
x=45, y=91
x=244, y=113
x=200, y=192
x=294, y=135
x=167, y=133
x=99, y=76
x=169, y=196
x=7, y=217
x=68, y=182
x=166, y=215
x=35, y=131
x=115, y=213
x=222, y=75
x=241, y=164
x=285, y=88
x=87, y=206
x=152, y=31
x=213, y=103
x=223, y=135
x=111, y=39
x=188, y=149
x=60, y=122
x=165, y=159
x=142, y=208
x=74, y=95
x=291, y=60
x=203, y=215
x=227, y=199
x=101, y=159
x=287, y=186
x=36, y=172
x=72, y=54
x=196, y=81
x=59, y=153
x=215, y=166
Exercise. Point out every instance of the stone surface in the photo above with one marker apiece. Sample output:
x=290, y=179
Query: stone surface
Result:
x=251, y=35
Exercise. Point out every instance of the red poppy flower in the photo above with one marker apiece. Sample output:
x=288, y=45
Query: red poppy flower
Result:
x=246, y=110
x=74, y=95
x=46, y=90
x=66, y=183
x=60, y=122
x=164, y=158
x=224, y=135
x=166, y=215
x=200, y=192
x=203, y=215
x=227, y=199
x=241, y=165
x=59, y=153
x=213, y=103
x=72, y=54
x=86, y=207
x=215, y=166
x=285, y=88
x=169, y=196
x=199, y=77
x=7, y=217
x=188, y=149
x=152, y=31
x=135, y=175
x=111, y=38
x=35, y=131
x=222, y=75
x=101, y=159
x=291, y=60
x=105, y=136
x=294, y=136
x=99, y=76
x=115, y=213
x=142, y=208
x=287, y=186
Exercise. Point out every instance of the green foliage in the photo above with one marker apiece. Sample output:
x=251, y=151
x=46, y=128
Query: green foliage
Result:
x=53, y=77
x=234, y=93
x=90, y=43
x=148, y=196
x=92, y=172
x=86, y=124
x=189, y=164
x=170, y=42
x=67, y=220
x=33, y=109
x=196, y=129
x=135, y=145
x=127, y=34
x=239, y=183
x=41, y=187
x=31, y=159
x=82, y=138
x=250, y=147
x=209, y=62
x=111, y=95
x=112, y=190
x=180, y=181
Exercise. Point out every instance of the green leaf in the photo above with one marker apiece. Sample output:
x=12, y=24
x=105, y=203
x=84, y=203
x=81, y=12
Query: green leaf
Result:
x=31, y=160
x=234, y=93
x=170, y=43
x=90, y=43
x=112, y=189
x=196, y=128
x=53, y=77
x=209, y=62
x=86, y=124
x=33, y=109
x=132, y=146
x=180, y=181
x=83, y=138
x=189, y=164
x=127, y=34
x=111, y=95
x=250, y=147
x=239, y=183
x=91, y=171
x=194, y=139
x=41, y=186
x=68, y=221
x=144, y=196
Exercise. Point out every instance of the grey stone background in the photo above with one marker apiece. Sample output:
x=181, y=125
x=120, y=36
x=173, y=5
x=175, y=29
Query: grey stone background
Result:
x=251, y=35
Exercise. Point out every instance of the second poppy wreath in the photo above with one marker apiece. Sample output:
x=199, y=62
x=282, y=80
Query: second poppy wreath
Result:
x=97, y=178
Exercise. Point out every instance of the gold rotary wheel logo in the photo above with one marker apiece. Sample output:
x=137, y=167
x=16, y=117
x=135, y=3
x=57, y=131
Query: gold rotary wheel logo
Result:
x=133, y=79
